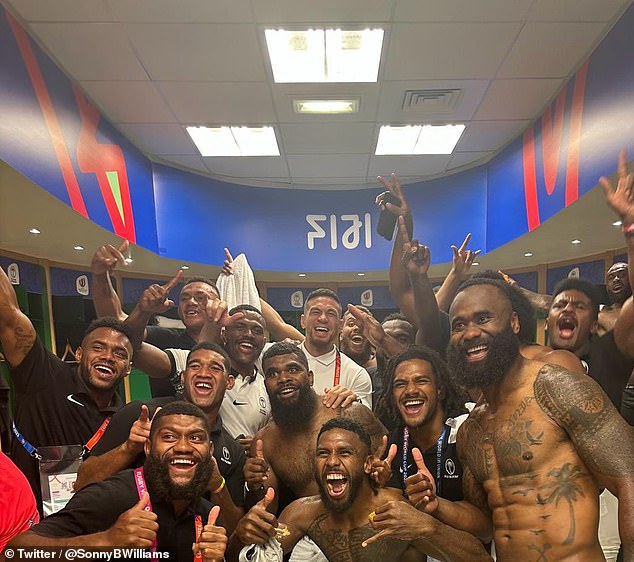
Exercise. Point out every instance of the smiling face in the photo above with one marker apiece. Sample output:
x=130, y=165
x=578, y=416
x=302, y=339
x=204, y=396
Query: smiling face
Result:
x=178, y=464
x=617, y=283
x=192, y=303
x=244, y=338
x=342, y=463
x=104, y=359
x=205, y=379
x=415, y=392
x=322, y=323
x=353, y=343
x=571, y=321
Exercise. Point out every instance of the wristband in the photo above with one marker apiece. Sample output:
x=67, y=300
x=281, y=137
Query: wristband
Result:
x=219, y=489
x=628, y=229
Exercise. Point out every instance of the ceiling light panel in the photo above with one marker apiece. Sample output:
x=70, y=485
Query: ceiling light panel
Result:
x=324, y=55
x=418, y=139
x=235, y=141
x=324, y=106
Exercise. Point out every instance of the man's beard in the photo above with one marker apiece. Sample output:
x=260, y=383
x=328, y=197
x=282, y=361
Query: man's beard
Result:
x=354, y=483
x=502, y=351
x=161, y=486
x=360, y=357
x=297, y=414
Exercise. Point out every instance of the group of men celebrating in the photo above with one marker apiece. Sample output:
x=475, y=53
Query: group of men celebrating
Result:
x=305, y=448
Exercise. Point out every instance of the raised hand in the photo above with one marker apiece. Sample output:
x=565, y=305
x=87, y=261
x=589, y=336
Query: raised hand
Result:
x=370, y=327
x=421, y=487
x=227, y=268
x=258, y=525
x=156, y=297
x=139, y=432
x=507, y=278
x=621, y=199
x=416, y=258
x=382, y=468
x=212, y=542
x=463, y=258
x=136, y=527
x=106, y=258
x=338, y=395
x=256, y=468
x=393, y=186
x=399, y=520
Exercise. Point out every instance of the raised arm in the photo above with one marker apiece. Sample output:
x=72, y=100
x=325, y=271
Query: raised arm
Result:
x=400, y=287
x=579, y=405
x=372, y=329
x=103, y=263
x=539, y=302
x=461, y=264
x=17, y=334
x=416, y=260
x=621, y=200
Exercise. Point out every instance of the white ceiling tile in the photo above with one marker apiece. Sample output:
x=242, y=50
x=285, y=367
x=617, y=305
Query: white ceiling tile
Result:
x=545, y=50
x=254, y=167
x=129, y=102
x=205, y=52
x=392, y=92
x=283, y=95
x=189, y=162
x=159, y=138
x=517, y=99
x=408, y=166
x=459, y=159
x=329, y=11
x=489, y=135
x=328, y=165
x=330, y=183
x=448, y=50
x=327, y=138
x=62, y=10
x=105, y=52
x=461, y=10
x=576, y=10
x=219, y=103
x=181, y=11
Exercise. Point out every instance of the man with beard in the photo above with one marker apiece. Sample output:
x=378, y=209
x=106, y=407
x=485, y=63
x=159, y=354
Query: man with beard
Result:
x=158, y=506
x=204, y=381
x=617, y=285
x=57, y=404
x=343, y=519
x=540, y=437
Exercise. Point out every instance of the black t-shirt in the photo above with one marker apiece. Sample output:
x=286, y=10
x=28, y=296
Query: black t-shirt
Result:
x=228, y=453
x=165, y=338
x=52, y=407
x=450, y=484
x=96, y=508
x=608, y=366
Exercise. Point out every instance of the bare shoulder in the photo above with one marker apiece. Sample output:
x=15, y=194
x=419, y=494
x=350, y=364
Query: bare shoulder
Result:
x=385, y=495
x=561, y=358
x=302, y=512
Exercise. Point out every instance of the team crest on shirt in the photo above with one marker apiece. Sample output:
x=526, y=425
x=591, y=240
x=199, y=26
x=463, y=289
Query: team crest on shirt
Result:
x=226, y=455
x=450, y=468
x=263, y=408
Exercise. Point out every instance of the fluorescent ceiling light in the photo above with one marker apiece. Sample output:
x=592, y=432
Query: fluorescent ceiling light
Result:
x=528, y=254
x=617, y=223
x=330, y=55
x=235, y=141
x=184, y=267
x=576, y=241
x=34, y=231
x=78, y=248
x=326, y=106
x=418, y=139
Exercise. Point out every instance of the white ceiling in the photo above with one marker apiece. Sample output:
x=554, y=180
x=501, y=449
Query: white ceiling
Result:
x=155, y=66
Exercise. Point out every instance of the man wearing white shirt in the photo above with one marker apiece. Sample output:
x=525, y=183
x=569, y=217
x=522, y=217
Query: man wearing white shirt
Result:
x=342, y=380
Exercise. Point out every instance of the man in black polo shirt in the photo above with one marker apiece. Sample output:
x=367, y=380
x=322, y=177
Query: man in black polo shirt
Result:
x=204, y=380
x=158, y=507
x=57, y=404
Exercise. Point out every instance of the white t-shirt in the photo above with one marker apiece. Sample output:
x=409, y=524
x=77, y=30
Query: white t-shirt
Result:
x=353, y=376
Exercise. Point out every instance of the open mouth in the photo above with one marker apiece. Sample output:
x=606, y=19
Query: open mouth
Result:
x=617, y=286
x=104, y=370
x=204, y=387
x=191, y=312
x=182, y=465
x=477, y=352
x=413, y=406
x=336, y=484
x=567, y=327
x=287, y=392
x=357, y=340
x=246, y=346
x=322, y=331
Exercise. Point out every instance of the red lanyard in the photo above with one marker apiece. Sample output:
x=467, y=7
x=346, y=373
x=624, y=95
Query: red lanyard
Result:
x=97, y=436
x=337, y=368
x=198, y=524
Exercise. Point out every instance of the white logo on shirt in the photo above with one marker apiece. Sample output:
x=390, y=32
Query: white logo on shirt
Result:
x=71, y=399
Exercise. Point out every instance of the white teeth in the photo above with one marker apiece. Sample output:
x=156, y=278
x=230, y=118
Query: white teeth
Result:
x=183, y=461
x=287, y=391
x=414, y=402
x=246, y=344
x=205, y=385
x=357, y=339
x=333, y=477
x=104, y=369
x=321, y=329
x=476, y=348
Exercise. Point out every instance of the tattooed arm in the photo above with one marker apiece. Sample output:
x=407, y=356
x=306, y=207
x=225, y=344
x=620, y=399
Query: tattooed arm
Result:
x=602, y=438
x=17, y=334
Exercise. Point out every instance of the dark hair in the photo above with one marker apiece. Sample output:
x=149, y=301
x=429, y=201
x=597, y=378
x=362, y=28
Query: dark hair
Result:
x=453, y=396
x=583, y=286
x=520, y=304
x=109, y=322
x=203, y=280
x=285, y=348
x=179, y=407
x=396, y=316
x=247, y=308
x=210, y=346
x=322, y=292
x=348, y=424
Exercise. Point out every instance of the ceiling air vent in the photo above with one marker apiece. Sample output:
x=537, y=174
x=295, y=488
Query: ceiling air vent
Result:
x=425, y=102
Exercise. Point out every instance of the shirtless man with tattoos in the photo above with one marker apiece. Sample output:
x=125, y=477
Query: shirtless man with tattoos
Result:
x=344, y=518
x=540, y=441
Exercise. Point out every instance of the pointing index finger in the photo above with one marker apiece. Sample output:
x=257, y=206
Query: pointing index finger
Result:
x=382, y=448
x=228, y=255
x=173, y=281
x=464, y=245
